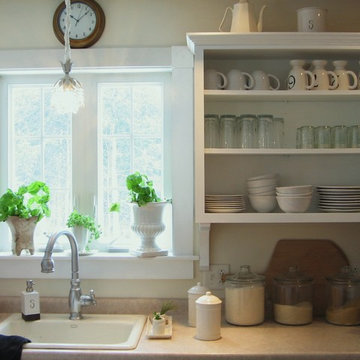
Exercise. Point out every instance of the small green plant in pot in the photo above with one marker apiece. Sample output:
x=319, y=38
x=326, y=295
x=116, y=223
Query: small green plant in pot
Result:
x=85, y=230
x=22, y=210
x=148, y=211
x=159, y=319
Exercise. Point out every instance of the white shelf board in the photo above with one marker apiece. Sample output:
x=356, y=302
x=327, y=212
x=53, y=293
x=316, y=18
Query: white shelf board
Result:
x=281, y=95
x=322, y=217
x=283, y=151
x=271, y=42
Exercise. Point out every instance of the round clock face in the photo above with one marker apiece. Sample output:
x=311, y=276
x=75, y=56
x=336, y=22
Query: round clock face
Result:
x=87, y=22
x=82, y=21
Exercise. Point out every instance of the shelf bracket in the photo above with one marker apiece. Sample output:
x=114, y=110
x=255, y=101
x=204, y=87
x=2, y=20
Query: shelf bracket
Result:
x=204, y=246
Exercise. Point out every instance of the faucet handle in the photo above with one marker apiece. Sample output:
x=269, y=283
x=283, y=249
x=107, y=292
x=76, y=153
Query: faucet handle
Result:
x=88, y=299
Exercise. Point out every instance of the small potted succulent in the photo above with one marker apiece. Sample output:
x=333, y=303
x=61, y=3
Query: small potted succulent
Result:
x=22, y=210
x=85, y=230
x=159, y=320
x=148, y=211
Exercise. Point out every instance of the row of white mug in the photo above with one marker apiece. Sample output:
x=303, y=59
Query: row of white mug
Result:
x=319, y=78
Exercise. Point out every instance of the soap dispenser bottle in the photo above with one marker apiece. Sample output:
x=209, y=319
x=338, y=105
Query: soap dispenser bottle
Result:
x=30, y=303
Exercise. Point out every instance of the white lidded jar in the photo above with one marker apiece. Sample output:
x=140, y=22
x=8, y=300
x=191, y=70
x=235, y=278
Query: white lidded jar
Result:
x=193, y=294
x=245, y=298
x=208, y=317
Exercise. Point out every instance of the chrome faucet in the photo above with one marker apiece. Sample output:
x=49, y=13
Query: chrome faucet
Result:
x=76, y=300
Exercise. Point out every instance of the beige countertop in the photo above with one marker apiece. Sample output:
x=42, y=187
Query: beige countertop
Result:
x=269, y=340
x=318, y=340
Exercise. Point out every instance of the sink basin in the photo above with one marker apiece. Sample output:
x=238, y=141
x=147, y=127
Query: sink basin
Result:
x=95, y=331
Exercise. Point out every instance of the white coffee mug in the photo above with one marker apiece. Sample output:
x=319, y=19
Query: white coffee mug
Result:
x=300, y=79
x=345, y=76
x=214, y=80
x=239, y=80
x=263, y=81
x=324, y=80
x=311, y=19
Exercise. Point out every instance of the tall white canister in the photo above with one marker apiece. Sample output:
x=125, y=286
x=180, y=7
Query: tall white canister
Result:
x=208, y=317
x=193, y=294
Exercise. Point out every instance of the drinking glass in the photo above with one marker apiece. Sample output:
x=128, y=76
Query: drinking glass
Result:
x=264, y=131
x=339, y=136
x=353, y=136
x=211, y=130
x=323, y=137
x=305, y=137
x=246, y=125
x=227, y=131
x=277, y=138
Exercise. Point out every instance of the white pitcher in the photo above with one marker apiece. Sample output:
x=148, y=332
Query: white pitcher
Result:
x=243, y=20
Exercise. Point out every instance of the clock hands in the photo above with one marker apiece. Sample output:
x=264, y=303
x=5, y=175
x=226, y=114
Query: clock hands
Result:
x=83, y=15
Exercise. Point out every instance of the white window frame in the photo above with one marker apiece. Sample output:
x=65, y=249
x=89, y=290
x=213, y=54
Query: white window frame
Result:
x=177, y=60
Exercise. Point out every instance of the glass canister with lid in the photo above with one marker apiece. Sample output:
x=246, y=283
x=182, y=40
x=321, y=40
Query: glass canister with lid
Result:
x=344, y=297
x=245, y=298
x=292, y=297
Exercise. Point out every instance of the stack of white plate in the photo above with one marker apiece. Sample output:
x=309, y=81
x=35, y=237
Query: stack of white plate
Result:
x=339, y=198
x=224, y=203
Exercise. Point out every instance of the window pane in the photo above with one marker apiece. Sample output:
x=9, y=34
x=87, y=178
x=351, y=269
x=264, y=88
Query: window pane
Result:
x=131, y=126
x=40, y=142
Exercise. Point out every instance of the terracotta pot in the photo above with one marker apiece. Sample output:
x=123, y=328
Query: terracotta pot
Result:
x=22, y=231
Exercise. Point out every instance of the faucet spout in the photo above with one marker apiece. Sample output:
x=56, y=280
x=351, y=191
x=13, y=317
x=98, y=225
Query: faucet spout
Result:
x=76, y=300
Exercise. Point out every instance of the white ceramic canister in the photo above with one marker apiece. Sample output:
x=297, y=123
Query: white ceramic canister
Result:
x=245, y=298
x=208, y=317
x=193, y=294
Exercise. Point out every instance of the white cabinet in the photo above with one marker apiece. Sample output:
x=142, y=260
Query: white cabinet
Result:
x=225, y=171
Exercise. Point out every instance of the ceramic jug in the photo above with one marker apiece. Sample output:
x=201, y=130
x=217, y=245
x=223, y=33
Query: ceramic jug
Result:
x=300, y=79
x=243, y=21
x=345, y=76
x=324, y=80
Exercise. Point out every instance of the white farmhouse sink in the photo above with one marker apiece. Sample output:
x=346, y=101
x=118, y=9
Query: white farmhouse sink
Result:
x=116, y=332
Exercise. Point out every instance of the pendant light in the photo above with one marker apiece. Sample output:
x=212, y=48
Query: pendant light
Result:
x=68, y=94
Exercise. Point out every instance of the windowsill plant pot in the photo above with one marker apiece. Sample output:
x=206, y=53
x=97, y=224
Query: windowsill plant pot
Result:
x=148, y=224
x=82, y=236
x=22, y=210
x=22, y=231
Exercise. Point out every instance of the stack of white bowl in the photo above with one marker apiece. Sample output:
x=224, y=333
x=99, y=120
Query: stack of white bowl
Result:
x=294, y=199
x=261, y=192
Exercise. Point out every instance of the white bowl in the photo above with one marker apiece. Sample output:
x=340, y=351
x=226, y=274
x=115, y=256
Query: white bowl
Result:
x=295, y=195
x=262, y=190
x=261, y=183
x=293, y=204
x=261, y=177
x=300, y=189
x=263, y=203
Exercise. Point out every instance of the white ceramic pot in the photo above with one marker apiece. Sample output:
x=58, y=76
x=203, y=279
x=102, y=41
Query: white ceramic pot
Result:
x=148, y=224
x=82, y=238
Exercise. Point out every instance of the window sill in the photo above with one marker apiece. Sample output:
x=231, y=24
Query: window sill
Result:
x=100, y=266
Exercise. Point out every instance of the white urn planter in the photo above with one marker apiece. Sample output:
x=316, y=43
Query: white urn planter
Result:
x=148, y=224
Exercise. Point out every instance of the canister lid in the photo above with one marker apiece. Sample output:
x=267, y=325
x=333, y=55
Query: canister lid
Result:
x=346, y=276
x=244, y=277
x=293, y=277
x=198, y=289
x=208, y=299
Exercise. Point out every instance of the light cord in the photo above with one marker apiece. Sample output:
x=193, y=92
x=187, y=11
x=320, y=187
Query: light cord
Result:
x=67, y=55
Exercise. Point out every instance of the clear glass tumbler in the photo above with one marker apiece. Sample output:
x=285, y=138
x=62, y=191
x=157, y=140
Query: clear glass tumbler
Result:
x=264, y=131
x=353, y=136
x=339, y=136
x=245, y=130
x=227, y=131
x=211, y=131
x=305, y=137
x=323, y=137
x=277, y=138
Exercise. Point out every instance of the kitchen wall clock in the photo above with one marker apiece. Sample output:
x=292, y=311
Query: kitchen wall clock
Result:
x=87, y=21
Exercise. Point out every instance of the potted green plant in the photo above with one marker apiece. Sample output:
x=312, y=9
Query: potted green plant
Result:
x=159, y=319
x=85, y=230
x=22, y=210
x=148, y=211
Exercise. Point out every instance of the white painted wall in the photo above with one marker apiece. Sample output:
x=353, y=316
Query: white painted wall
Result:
x=27, y=24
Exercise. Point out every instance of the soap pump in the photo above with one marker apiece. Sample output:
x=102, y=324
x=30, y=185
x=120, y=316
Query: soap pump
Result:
x=30, y=303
